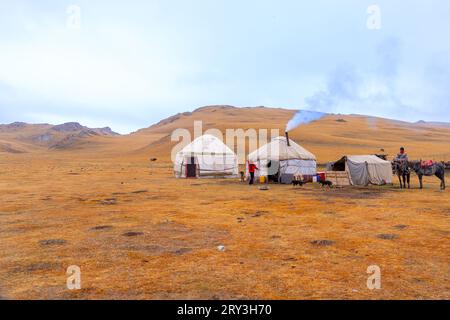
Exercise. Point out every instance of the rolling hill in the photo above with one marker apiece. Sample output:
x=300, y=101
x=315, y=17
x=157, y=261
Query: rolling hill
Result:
x=329, y=138
x=20, y=137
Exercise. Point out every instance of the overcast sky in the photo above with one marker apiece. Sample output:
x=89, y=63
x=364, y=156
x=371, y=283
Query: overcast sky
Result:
x=128, y=64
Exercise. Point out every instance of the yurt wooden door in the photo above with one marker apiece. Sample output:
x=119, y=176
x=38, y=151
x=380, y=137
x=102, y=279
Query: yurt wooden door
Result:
x=191, y=168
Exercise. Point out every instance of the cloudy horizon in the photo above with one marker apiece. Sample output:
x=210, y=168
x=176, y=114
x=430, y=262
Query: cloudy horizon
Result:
x=129, y=64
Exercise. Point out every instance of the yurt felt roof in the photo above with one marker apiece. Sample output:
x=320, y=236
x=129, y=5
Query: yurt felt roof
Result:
x=367, y=158
x=207, y=145
x=278, y=149
x=371, y=159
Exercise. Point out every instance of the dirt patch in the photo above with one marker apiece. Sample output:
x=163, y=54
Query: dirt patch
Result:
x=132, y=234
x=139, y=191
x=98, y=228
x=388, y=236
x=353, y=193
x=108, y=202
x=444, y=233
x=173, y=238
x=52, y=242
x=182, y=251
x=322, y=243
x=256, y=213
x=36, y=267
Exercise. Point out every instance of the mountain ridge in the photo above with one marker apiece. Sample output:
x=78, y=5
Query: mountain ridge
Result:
x=328, y=138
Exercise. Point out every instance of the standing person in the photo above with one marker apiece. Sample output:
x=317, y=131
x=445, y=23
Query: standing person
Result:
x=251, y=169
x=402, y=158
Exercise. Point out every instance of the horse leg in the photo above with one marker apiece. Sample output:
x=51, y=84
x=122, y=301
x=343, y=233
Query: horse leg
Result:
x=442, y=178
x=408, y=177
x=400, y=180
x=404, y=181
x=420, y=181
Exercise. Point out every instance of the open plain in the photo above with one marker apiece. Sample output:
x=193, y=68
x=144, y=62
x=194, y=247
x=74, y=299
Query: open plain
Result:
x=136, y=232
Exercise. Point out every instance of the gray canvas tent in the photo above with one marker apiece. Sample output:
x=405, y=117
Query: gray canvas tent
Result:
x=364, y=169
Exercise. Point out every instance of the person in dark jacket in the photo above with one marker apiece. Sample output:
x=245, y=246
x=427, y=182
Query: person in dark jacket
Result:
x=402, y=158
x=251, y=169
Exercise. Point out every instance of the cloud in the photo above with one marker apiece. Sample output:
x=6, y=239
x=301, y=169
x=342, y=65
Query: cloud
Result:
x=130, y=66
x=350, y=89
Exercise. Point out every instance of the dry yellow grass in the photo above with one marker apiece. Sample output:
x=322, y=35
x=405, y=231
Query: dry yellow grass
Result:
x=107, y=183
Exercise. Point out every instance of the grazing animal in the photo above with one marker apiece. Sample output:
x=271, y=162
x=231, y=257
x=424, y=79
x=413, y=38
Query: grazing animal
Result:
x=401, y=169
x=430, y=169
x=297, y=183
x=326, y=183
x=298, y=180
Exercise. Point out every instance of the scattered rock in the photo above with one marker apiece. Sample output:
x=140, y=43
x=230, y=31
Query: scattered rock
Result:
x=387, y=236
x=240, y=219
x=96, y=228
x=221, y=248
x=322, y=242
x=264, y=188
x=50, y=242
x=275, y=237
x=341, y=120
x=400, y=226
x=132, y=234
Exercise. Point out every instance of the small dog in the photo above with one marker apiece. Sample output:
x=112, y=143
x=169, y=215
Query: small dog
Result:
x=326, y=183
x=242, y=176
x=297, y=183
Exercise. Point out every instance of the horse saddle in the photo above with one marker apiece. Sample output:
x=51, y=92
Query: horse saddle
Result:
x=426, y=164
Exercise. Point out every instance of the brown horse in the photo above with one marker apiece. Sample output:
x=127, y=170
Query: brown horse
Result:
x=435, y=169
x=401, y=169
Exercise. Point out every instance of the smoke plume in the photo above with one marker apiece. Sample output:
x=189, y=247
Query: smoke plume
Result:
x=303, y=117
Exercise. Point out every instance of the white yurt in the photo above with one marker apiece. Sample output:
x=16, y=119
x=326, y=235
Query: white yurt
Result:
x=206, y=157
x=281, y=159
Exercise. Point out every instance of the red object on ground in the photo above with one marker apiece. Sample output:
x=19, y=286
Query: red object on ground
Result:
x=322, y=175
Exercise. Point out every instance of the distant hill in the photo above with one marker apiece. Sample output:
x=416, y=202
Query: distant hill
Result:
x=434, y=123
x=20, y=137
x=329, y=138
